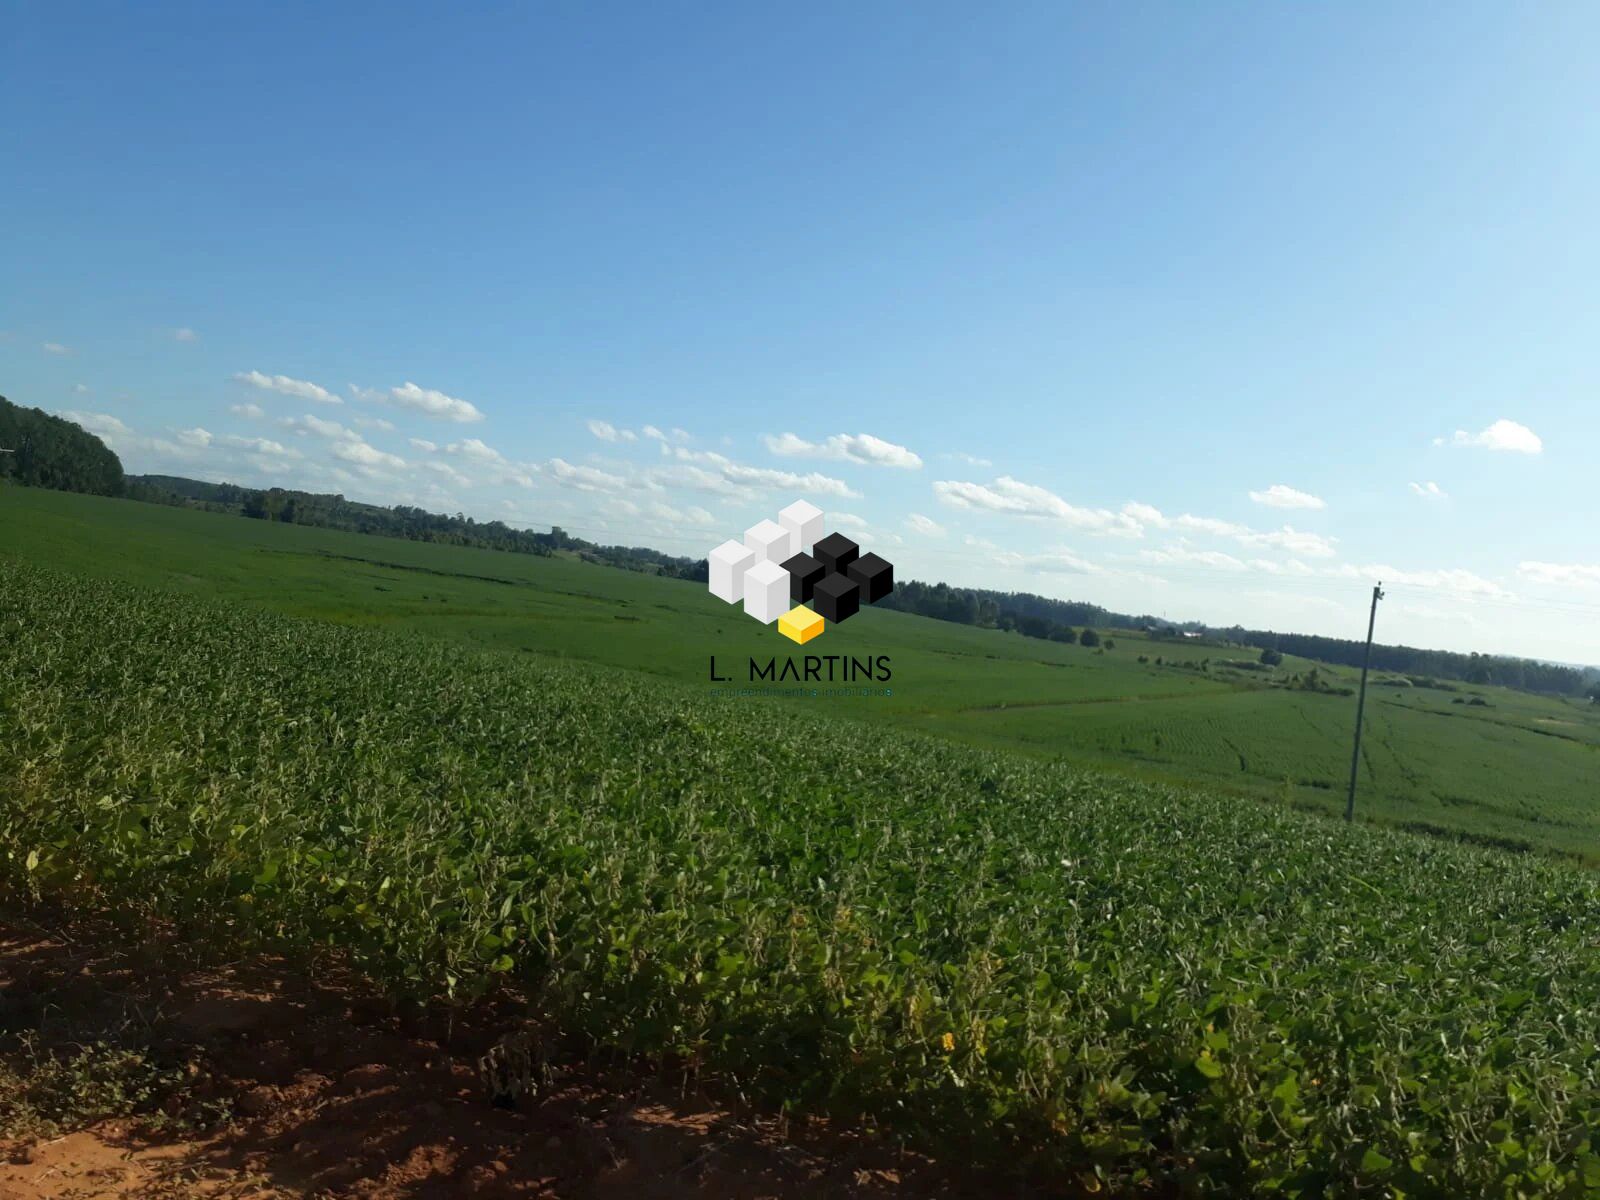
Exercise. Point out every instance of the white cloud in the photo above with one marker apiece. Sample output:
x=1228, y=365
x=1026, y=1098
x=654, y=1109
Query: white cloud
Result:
x=1502, y=435
x=1281, y=495
x=424, y=445
x=918, y=523
x=354, y=450
x=672, y=435
x=1449, y=579
x=251, y=412
x=861, y=448
x=100, y=424
x=607, y=432
x=691, y=515
x=972, y=460
x=476, y=450
x=585, y=479
x=1430, y=490
x=1295, y=541
x=80, y=389
x=55, y=348
x=300, y=389
x=1059, y=562
x=316, y=425
x=847, y=520
x=256, y=446
x=185, y=334
x=1145, y=514
x=373, y=423
x=446, y=470
x=1312, y=545
x=434, y=404
x=720, y=474
x=1008, y=495
x=1584, y=575
x=1186, y=556
x=194, y=437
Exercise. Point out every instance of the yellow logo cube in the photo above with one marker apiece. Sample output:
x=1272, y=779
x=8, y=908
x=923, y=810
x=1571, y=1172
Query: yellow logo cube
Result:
x=800, y=624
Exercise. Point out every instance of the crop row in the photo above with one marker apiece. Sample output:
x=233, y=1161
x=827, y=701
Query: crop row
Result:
x=1007, y=958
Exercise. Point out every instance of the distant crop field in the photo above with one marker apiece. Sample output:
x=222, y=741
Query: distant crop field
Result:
x=1520, y=771
x=1131, y=985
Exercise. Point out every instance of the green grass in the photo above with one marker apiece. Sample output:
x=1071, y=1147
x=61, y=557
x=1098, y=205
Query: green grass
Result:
x=1518, y=773
x=1012, y=960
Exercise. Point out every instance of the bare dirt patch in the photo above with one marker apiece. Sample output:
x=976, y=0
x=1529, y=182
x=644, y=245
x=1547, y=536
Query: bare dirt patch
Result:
x=272, y=1082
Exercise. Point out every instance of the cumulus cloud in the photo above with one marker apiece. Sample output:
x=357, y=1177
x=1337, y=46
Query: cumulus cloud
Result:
x=1295, y=541
x=431, y=403
x=373, y=423
x=713, y=472
x=927, y=526
x=860, y=448
x=671, y=435
x=584, y=479
x=424, y=445
x=1430, y=491
x=1008, y=495
x=1447, y=579
x=1584, y=575
x=353, y=450
x=1059, y=562
x=321, y=428
x=607, y=432
x=80, y=389
x=1281, y=495
x=185, y=334
x=1187, y=556
x=55, y=348
x=972, y=460
x=1502, y=435
x=256, y=445
x=196, y=437
x=250, y=412
x=100, y=424
x=476, y=450
x=300, y=389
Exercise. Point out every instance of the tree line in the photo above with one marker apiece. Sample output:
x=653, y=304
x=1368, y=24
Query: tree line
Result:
x=1525, y=674
x=334, y=511
x=41, y=450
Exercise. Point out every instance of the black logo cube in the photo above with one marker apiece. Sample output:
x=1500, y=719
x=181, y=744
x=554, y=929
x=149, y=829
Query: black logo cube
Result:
x=836, y=552
x=805, y=573
x=874, y=575
x=836, y=597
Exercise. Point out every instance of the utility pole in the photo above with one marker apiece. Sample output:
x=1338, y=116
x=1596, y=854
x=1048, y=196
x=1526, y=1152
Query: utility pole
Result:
x=1361, y=705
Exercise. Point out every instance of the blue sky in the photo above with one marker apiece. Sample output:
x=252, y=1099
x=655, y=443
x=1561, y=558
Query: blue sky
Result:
x=1217, y=311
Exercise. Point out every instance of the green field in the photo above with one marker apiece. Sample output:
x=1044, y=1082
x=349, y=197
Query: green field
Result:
x=1523, y=771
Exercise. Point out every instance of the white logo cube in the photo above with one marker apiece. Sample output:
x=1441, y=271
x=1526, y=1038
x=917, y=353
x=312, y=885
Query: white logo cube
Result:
x=803, y=520
x=729, y=562
x=766, y=591
x=770, y=541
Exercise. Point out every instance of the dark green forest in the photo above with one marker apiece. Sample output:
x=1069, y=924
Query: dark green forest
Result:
x=40, y=450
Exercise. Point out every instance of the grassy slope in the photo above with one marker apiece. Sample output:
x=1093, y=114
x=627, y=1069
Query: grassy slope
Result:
x=1523, y=769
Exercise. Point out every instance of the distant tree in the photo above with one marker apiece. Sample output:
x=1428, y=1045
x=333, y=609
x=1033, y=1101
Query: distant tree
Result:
x=1108, y=644
x=1089, y=638
x=1271, y=658
x=1594, y=694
